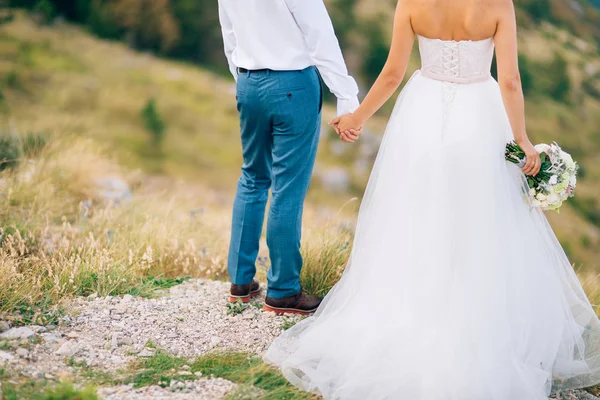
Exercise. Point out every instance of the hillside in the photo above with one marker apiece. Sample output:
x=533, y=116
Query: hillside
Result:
x=94, y=276
x=60, y=80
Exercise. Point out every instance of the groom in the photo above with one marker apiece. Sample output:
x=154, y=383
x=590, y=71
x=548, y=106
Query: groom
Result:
x=276, y=51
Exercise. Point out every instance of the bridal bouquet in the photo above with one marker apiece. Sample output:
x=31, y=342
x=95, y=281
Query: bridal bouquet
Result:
x=556, y=180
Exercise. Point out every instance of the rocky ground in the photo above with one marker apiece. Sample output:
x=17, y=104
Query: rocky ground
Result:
x=109, y=334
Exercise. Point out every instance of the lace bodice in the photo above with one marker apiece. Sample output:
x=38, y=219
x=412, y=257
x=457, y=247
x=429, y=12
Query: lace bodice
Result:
x=460, y=62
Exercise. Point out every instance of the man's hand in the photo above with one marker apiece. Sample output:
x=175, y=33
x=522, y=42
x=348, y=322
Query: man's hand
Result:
x=347, y=127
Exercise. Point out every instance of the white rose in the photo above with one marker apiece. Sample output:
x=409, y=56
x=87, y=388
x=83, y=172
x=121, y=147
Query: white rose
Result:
x=536, y=203
x=553, y=199
x=542, y=147
x=566, y=157
x=553, y=180
x=544, y=204
x=541, y=197
x=532, y=192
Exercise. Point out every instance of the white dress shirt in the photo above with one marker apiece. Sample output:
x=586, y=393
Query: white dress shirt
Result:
x=286, y=35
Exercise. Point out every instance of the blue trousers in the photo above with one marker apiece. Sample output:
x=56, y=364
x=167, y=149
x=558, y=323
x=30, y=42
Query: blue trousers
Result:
x=280, y=119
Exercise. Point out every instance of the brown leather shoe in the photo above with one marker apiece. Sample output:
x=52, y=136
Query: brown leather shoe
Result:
x=302, y=304
x=244, y=292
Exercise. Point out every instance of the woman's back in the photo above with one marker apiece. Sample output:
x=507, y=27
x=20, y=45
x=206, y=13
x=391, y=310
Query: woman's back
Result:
x=454, y=19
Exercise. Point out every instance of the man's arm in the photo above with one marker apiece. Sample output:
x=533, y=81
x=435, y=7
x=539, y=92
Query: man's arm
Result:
x=228, y=38
x=313, y=19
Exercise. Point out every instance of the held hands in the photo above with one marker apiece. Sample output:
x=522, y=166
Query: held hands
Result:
x=533, y=163
x=348, y=127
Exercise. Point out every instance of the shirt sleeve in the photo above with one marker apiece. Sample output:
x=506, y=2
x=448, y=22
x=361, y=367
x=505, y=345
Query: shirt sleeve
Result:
x=229, y=39
x=315, y=24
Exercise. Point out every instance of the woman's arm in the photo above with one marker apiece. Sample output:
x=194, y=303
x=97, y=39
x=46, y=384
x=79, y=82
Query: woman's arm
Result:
x=510, y=83
x=390, y=78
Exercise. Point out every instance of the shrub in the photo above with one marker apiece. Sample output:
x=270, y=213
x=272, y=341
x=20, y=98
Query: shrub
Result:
x=9, y=152
x=14, y=148
x=11, y=79
x=539, y=10
x=590, y=87
x=376, y=52
x=560, y=83
x=44, y=11
x=153, y=122
x=343, y=16
x=527, y=77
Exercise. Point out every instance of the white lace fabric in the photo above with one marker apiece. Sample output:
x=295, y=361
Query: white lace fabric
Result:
x=456, y=62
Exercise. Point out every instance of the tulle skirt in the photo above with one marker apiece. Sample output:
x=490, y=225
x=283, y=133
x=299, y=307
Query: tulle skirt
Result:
x=456, y=288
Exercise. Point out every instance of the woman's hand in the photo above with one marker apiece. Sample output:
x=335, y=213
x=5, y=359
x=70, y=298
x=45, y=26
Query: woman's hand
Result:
x=348, y=127
x=533, y=163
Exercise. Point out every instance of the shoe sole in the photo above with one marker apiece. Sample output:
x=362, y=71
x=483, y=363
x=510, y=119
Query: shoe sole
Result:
x=244, y=299
x=281, y=311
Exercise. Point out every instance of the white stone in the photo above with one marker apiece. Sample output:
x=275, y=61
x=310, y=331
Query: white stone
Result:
x=6, y=356
x=22, y=332
x=146, y=353
x=116, y=360
x=114, y=342
x=125, y=341
x=37, y=328
x=4, y=326
x=21, y=352
x=68, y=349
x=248, y=315
x=120, y=309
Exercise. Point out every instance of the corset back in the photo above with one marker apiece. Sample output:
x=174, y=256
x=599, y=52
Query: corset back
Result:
x=456, y=61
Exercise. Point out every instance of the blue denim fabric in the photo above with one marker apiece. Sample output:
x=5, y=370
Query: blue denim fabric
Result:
x=280, y=118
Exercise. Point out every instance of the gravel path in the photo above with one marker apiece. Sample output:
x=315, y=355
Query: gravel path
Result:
x=109, y=333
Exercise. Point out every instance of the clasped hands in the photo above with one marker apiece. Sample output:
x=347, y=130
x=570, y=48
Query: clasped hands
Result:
x=348, y=127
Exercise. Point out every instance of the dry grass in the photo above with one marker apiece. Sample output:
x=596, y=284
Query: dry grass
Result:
x=61, y=239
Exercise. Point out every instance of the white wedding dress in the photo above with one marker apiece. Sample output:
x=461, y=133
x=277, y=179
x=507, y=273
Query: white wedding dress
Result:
x=456, y=288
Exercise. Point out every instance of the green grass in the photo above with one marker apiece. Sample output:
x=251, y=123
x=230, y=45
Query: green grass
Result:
x=237, y=307
x=288, y=323
x=95, y=376
x=325, y=256
x=30, y=389
x=255, y=379
x=148, y=285
x=247, y=370
x=36, y=313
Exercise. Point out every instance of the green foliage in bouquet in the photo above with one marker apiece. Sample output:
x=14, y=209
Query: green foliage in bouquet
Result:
x=516, y=155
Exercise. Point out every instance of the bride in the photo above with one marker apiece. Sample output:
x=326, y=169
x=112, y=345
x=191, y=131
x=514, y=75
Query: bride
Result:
x=456, y=288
